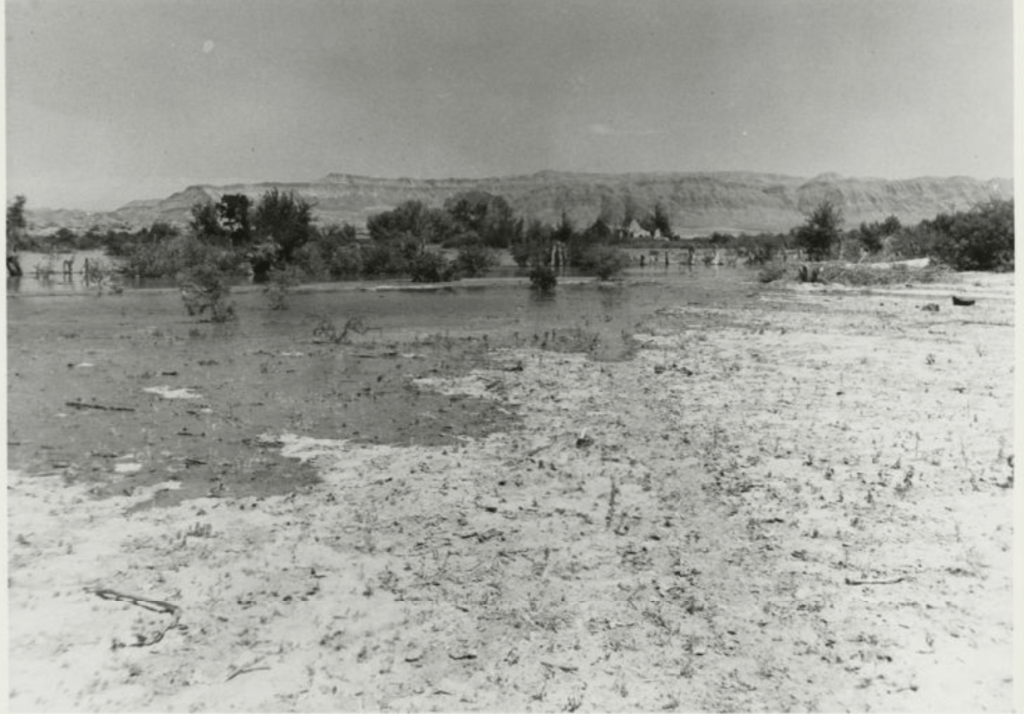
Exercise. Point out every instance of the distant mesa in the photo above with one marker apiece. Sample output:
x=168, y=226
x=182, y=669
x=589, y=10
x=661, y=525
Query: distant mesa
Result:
x=697, y=203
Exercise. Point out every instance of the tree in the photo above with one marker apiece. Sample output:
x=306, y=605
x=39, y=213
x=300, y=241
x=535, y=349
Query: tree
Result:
x=283, y=220
x=234, y=210
x=599, y=231
x=205, y=223
x=488, y=216
x=408, y=219
x=534, y=246
x=871, y=235
x=629, y=210
x=16, y=223
x=820, y=233
x=657, y=221
x=891, y=226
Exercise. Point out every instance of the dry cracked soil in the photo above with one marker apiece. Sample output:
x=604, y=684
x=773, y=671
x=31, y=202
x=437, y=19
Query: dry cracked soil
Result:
x=799, y=501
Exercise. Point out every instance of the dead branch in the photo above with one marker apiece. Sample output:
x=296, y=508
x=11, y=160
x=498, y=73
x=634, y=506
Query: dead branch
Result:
x=891, y=581
x=84, y=405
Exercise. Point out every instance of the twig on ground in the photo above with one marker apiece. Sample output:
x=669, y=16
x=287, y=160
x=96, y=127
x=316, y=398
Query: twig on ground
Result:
x=563, y=667
x=84, y=405
x=148, y=604
x=244, y=670
x=890, y=581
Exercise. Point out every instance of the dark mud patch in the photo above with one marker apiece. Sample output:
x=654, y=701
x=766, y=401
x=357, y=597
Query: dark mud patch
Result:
x=79, y=408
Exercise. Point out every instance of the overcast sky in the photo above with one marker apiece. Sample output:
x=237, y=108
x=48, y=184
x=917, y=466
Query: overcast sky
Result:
x=114, y=100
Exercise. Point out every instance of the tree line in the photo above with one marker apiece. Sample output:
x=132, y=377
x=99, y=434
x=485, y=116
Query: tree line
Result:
x=236, y=235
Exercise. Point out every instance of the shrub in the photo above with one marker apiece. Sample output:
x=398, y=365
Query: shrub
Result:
x=979, y=239
x=390, y=257
x=282, y=282
x=327, y=331
x=916, y=242
x=431, y=267
x=474, y=261
x=204, y=287
x=169, y=257
x=604, y=261
x=771, y=273
x=760, y=254
x=543, y=278
x=521, y=253
x=324, y=258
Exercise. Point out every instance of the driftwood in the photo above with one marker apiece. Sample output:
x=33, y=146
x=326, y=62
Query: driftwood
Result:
x=244, y=670
x=148, y=604
x=890, y=581
x=85, y=405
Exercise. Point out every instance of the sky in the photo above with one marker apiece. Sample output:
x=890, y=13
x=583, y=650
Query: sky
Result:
x=109, y=101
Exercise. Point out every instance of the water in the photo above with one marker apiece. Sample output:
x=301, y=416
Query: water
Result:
x=505, y=310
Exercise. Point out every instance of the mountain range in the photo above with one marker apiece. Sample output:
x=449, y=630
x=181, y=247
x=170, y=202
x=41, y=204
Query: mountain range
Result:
x=696, y=203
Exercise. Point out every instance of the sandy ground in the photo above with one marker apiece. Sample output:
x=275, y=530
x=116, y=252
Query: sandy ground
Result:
x=802, y=503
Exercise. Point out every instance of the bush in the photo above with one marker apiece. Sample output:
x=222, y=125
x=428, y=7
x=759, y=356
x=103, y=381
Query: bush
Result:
x=604, y=261
x=204, y=287
x=543, y=278
x=326, y=259
x=327, y=331
x=431, y=267
x=917, y=242
x=474, y=261
x=166, y=258
x=980, y=239
x=383, y=258
x=771, y=273
x=282, y=282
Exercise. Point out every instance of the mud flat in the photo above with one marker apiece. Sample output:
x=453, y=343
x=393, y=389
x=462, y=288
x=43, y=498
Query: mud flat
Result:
x=797, y=501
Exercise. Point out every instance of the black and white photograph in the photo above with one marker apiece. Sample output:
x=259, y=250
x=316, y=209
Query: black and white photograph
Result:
x=510, y=355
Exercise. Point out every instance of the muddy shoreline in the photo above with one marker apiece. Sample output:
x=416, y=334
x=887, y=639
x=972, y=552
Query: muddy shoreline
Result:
x=772, y=499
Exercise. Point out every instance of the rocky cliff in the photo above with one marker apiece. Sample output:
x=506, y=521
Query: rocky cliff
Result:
x=697, y=203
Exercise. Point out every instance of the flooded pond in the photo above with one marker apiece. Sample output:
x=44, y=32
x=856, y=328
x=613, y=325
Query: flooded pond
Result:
x=393, y=309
